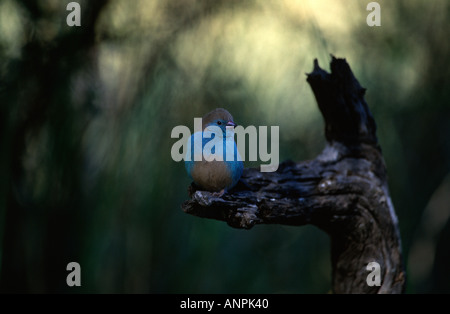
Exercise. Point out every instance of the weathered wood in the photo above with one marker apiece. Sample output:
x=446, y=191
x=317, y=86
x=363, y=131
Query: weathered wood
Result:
x=343, y=191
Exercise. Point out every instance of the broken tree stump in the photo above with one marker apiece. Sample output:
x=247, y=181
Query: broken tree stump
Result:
x=343, y=191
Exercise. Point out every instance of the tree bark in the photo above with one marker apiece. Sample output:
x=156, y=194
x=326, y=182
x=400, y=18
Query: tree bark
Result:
x=343, y=191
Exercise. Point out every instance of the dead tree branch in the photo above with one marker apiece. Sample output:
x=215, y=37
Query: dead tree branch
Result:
x=343, y=191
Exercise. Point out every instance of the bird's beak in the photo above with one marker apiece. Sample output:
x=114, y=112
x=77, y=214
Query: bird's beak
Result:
x=231, y=123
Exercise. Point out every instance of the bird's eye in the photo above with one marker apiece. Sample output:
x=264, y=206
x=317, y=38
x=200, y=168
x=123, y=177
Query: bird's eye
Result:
x=219, y=122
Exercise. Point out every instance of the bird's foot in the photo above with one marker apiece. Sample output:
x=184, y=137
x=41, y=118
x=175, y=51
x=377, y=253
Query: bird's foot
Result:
x=219, y=194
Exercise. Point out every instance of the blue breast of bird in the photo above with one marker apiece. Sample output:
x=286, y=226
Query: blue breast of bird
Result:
x=214, y=175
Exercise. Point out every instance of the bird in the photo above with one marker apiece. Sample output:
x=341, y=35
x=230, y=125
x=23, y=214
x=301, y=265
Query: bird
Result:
x=217, y=176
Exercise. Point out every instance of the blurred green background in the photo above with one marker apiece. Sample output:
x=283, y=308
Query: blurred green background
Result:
x=86, y=115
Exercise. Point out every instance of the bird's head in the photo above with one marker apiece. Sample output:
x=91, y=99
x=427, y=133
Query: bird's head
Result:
x=218, y=117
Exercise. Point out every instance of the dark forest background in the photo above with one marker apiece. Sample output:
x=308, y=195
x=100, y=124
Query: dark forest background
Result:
x=86, y=115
